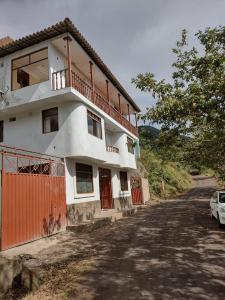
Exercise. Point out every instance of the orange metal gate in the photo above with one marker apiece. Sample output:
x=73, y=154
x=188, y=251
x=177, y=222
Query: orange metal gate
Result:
x=136, y=190
x=33, y=197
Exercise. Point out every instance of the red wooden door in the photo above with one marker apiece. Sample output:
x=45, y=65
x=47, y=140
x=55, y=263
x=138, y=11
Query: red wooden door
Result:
x=136, y=190
x=105, y=188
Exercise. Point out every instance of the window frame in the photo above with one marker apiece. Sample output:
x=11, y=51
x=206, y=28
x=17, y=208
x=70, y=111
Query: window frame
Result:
x=96, y=119
x=122, y=184
x=1, y=131
x=43, y=119
x=30, y=63
x=92, y=181
x=130, y=143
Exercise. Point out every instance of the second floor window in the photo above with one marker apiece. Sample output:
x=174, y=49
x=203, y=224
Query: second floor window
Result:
x=94, y=125
x=1, y=131
x=50, y=120
x=30, y=69
x=130, y=145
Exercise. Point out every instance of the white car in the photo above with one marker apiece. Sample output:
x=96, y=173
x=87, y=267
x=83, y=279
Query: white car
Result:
x=217, y=207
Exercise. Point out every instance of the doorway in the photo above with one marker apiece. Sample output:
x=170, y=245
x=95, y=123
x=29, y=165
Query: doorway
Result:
x=105, y=185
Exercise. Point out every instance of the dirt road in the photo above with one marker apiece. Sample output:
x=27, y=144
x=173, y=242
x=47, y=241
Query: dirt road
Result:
x=170, y=251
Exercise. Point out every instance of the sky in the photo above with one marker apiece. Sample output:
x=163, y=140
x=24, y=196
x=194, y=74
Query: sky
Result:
x=131, y=36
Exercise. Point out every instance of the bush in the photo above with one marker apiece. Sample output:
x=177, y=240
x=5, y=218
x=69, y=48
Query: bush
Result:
x=170, y=174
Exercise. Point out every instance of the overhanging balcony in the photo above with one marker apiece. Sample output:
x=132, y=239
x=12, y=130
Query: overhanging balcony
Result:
x=112, y=149
x=63, y=78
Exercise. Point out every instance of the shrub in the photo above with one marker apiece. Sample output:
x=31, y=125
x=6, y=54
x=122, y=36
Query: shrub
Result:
x=175, y=178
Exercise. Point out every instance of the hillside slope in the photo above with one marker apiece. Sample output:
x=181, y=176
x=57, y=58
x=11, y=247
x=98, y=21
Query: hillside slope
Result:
x=165, y=178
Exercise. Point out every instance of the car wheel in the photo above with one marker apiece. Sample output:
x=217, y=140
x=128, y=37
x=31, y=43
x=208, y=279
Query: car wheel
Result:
x=218, y=221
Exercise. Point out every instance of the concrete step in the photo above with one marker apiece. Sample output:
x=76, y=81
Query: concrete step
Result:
x=140, y=207
x=118, y=214
x=90, y=226
x=129, y=212
x=110, y=213
x=104, y=218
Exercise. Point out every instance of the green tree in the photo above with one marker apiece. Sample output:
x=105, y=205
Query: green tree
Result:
x=193, y=103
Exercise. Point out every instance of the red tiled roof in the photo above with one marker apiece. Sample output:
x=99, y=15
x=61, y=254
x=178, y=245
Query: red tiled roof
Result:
x=55, y=30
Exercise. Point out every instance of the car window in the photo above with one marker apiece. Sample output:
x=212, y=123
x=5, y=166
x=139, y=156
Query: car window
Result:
x=222, y=197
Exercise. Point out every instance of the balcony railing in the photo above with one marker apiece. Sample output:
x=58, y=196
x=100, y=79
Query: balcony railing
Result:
x=60, y=81
x=110, y=148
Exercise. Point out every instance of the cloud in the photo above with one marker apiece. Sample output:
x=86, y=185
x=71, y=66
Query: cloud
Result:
x=131, y=36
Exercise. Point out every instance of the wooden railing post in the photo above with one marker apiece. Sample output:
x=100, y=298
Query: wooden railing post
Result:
x=107, y=90
x=128, y=111
x=120, y=107
x=92, y=80
x=68, y=40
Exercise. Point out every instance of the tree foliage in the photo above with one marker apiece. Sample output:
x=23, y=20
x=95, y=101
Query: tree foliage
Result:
x=193, y=103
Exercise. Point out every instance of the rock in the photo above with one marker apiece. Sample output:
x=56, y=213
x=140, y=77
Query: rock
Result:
x=9, y=270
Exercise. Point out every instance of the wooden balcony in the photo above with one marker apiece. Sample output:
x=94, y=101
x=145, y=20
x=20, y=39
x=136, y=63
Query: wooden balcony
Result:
x=60, y=79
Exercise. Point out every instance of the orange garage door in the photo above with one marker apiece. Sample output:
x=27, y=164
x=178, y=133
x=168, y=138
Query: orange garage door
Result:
x=33, y=198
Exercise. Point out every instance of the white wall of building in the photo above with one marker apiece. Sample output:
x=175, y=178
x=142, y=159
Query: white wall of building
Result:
x=73, y=197
x=71, y=140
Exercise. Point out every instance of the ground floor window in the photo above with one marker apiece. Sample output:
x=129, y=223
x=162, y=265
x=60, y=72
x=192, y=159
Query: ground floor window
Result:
x=123, y=181
x=84, y=178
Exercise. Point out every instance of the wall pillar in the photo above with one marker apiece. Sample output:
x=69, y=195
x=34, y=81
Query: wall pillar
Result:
x=69, y=80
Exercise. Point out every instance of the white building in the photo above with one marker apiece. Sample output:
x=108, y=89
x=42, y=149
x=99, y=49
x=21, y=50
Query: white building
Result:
x=59, y=98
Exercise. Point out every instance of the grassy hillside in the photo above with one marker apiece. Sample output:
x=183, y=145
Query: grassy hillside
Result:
x=148, y=130
x=148, y=134
x=166, y=178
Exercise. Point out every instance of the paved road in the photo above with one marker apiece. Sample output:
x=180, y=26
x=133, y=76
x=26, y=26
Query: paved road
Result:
x=172, y=250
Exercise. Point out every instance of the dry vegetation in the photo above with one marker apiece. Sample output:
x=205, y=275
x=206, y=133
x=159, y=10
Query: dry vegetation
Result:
x=61, y=284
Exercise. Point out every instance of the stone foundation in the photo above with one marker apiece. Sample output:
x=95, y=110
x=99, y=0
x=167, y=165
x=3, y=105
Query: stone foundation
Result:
x=123, y=203
x=87, y=211
x=81, y=212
